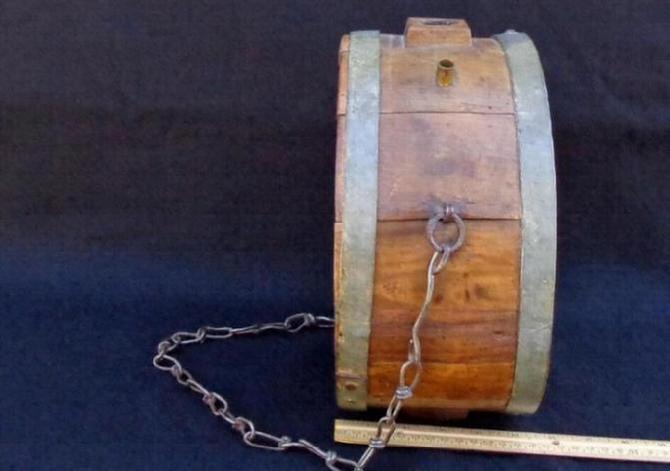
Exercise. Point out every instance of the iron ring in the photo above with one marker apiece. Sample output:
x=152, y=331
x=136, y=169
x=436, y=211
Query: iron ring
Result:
x=446, y=215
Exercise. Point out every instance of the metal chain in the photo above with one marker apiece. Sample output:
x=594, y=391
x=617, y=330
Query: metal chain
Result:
x=410, y=372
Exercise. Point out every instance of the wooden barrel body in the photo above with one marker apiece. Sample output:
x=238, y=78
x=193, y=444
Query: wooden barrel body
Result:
x=436, y=116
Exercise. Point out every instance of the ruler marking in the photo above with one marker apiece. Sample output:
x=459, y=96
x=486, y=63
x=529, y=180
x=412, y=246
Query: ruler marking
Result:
x=500, y=441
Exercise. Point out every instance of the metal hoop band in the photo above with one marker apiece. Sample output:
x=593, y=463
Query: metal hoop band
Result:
x=359, y=220
x=538, y=228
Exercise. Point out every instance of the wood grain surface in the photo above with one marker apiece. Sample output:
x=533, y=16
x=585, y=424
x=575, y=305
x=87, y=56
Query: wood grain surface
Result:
x=432, y=31
x=408, y=78
x=469, y=339
x=454, y=144
x=429, y=157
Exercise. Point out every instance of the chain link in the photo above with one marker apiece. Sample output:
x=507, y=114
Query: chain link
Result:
x=409, y=375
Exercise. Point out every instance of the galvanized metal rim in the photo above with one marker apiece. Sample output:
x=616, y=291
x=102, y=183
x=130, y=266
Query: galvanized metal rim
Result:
x=538, y=226
x=359, y=220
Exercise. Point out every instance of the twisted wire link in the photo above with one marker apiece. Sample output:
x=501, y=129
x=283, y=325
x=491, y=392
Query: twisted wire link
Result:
x=410, y=372
x=386, y=426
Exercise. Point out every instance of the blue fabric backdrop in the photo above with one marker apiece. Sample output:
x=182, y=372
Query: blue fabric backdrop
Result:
x=165, y=165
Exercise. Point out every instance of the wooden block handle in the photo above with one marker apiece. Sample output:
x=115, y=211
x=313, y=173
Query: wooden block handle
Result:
x=433, y=31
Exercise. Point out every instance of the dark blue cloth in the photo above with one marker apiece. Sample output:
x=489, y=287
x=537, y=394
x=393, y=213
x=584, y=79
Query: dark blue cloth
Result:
x=165, y=165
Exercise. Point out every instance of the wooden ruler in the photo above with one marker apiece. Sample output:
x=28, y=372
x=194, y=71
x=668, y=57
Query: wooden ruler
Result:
x=499, y=441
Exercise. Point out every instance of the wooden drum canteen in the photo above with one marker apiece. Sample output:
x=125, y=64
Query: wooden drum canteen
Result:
x=436, y=116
